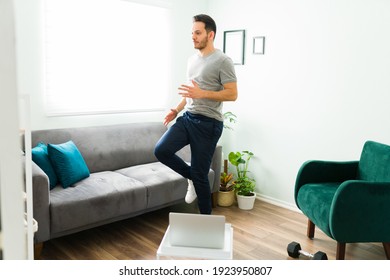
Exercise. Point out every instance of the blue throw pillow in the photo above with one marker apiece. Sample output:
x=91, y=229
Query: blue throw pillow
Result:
x=68, y=163
x=41, y=157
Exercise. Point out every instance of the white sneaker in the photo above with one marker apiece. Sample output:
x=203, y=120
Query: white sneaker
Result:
x=191, y=194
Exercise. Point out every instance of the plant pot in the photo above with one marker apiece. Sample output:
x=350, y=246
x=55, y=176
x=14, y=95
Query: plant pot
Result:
x=225, y=198
x=246, y=202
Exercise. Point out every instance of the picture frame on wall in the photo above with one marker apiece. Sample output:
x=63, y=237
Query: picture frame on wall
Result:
x=234, y=45
x=258, y=45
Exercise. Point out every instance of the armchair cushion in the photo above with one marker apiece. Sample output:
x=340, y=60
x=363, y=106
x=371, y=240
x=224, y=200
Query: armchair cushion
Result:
x=315, y=202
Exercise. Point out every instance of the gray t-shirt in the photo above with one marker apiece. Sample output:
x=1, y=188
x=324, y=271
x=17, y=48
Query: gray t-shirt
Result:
x=210, y=73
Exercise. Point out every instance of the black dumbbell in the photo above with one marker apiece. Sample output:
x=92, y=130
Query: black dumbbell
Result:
x=294, y=250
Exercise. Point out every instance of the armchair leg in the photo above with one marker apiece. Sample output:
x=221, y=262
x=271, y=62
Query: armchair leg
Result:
x=310, y=229
x=386, y=246
x=340, y=251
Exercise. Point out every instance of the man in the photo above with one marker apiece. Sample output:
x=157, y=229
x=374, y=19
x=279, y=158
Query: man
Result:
x=212, y=81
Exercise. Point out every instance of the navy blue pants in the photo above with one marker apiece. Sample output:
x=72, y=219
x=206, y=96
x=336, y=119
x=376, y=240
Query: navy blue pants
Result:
x=202, y=134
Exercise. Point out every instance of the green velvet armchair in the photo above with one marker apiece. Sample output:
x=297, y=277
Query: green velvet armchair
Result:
x=349, y=201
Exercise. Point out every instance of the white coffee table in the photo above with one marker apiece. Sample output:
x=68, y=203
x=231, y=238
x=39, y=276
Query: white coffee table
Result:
x=226, y=253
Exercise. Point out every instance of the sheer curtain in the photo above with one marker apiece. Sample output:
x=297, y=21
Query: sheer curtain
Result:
x=106, y=56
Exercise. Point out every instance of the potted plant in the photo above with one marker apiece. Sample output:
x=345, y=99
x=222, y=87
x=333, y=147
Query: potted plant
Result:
x=243, y=185
x=230, y=118
x=226, y=191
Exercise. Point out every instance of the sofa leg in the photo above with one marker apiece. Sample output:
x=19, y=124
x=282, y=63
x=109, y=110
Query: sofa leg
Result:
x=340, y=251
x=214, y=199
x=310, y=229
x=38, y=247
x=386, y=246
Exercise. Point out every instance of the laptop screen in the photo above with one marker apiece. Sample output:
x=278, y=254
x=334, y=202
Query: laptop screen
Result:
x=196, y=230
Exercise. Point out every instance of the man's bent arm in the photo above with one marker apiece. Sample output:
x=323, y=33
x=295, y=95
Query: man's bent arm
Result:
x=229, y=93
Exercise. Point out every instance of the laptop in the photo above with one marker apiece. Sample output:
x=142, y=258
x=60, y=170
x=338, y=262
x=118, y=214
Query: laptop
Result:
x=196, y=230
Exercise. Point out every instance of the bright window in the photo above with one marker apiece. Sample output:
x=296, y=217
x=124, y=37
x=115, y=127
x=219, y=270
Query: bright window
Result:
x=106, y=56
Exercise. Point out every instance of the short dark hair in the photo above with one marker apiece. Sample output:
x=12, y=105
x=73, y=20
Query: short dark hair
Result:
x=208, y=22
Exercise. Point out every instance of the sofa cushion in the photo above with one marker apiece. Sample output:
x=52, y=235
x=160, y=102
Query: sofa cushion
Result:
x=98, y=198
x=315, y=200
x=41, y=157
x=68, y=163
x=374, y=164
x=163, y=184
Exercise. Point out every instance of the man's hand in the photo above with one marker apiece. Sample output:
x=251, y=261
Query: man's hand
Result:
x=193, y=91
x=170, y=116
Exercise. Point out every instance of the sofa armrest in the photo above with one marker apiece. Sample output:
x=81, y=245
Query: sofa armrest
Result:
x=318, y=171
x=41, y=203
x=216, y=165
x=360, y=212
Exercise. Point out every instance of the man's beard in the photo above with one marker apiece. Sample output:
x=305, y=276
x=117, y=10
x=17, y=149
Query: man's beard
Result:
x=202, y=44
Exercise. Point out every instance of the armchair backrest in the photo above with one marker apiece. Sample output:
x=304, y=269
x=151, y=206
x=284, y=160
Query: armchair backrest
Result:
x=374, y=164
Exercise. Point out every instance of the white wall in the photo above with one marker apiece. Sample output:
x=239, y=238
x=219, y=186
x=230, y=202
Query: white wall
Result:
x=321, y=89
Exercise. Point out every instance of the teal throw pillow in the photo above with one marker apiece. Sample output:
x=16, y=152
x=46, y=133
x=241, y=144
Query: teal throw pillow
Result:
x=41, y=157
x=68, y=163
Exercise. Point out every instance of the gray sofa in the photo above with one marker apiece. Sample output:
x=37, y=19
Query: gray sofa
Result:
x=125, y=178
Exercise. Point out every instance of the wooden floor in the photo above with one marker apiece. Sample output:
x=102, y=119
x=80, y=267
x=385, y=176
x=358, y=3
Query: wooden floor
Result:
x=259, y=234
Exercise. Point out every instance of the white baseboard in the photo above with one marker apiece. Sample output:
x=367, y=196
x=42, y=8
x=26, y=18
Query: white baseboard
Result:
x=277, y=202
